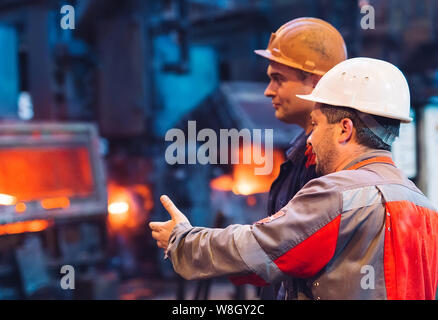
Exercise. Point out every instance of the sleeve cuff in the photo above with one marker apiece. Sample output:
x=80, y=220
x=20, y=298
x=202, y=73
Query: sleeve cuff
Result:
x=178, y=232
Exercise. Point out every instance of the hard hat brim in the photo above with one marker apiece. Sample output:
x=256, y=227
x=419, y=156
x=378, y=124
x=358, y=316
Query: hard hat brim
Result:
x=310, y=97
x=268, y=55
x=263, y=53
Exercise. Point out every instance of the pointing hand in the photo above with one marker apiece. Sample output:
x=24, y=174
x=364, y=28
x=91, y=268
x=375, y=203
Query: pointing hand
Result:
x=161, y=230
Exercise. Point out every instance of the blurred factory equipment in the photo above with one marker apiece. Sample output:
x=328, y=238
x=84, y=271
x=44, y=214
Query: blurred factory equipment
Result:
x=53, y=206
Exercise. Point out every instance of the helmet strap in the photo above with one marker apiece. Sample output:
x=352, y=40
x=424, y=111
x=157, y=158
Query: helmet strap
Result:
x=376, y=128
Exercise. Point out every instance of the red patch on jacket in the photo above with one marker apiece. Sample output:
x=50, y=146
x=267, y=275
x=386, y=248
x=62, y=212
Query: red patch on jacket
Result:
x=309, y=256
x=411, y=251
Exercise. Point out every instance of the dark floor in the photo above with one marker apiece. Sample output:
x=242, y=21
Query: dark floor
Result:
x=156, y=289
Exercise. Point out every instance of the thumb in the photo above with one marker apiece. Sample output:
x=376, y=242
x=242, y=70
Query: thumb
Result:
x=174, y=212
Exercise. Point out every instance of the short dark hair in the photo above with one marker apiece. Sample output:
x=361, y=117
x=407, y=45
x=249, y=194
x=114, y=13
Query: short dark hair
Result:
x=364, y=136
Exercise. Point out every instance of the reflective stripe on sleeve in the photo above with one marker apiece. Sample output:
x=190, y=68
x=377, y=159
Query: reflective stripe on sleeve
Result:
x=254, y=256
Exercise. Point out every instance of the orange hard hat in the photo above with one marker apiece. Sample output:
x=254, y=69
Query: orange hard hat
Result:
x=308, y=44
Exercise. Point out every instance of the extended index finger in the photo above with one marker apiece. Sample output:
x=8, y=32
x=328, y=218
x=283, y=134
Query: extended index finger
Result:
x=170, y=207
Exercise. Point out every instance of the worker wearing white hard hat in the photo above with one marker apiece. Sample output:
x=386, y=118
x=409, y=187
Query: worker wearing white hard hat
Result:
x=360, y=231
x=373, y=93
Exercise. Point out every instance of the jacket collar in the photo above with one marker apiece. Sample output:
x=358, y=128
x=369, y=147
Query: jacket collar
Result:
x=368, y=155
x=297, y=147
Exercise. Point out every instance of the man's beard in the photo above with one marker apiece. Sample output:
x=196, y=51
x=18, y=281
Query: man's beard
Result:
x=328, y=156
x=326, y=167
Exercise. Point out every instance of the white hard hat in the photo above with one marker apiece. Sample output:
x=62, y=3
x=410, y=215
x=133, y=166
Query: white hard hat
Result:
x=371, y=86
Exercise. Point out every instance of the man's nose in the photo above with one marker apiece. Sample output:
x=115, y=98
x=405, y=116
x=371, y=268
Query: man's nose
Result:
x=269, y=91
x=309, y=139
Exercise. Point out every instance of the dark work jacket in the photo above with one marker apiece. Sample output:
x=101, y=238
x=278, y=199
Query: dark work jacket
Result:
x=295, y=172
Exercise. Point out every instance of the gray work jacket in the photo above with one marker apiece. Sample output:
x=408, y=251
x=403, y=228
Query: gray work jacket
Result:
x=367, y=233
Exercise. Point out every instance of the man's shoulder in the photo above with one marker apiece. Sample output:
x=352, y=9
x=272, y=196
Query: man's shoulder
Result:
x=329, y=193
x=344, y=180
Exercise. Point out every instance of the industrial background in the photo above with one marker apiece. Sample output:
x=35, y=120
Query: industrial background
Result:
x=84, y=113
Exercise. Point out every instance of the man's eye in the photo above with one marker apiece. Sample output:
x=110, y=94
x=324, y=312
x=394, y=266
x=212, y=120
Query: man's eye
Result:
x=313, y=124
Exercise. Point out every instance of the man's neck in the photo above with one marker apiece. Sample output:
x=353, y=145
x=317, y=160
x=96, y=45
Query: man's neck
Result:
x=350, y=156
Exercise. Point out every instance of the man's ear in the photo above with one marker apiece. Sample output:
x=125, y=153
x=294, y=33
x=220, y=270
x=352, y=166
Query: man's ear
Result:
x=346, y=129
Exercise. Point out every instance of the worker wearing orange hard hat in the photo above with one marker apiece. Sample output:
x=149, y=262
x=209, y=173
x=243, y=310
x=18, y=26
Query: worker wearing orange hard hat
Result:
x=299, y=52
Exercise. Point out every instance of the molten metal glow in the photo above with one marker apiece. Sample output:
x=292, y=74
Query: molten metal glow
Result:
x=243, y=180
x=20, y=207
x=7, y=200
x=119, y=214
x=243, y=187
x=24, y=226
x=35, y=173
x=224, y=183
x=118, y=208
x=55, y=203
x=128, y=206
